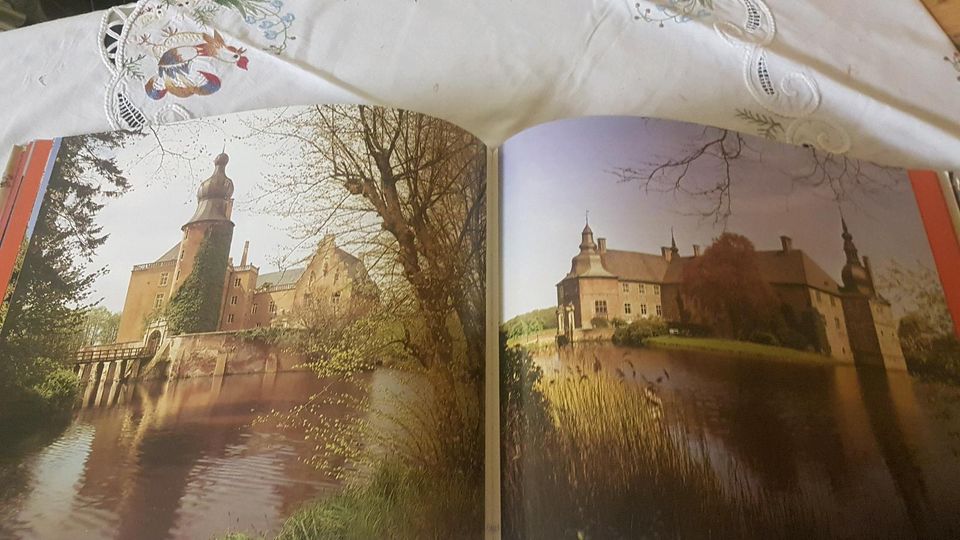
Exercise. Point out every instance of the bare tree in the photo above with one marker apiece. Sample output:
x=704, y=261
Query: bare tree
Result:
x=719, y=151
x=406, y=189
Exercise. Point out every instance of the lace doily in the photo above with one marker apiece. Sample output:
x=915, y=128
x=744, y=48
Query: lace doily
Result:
x=790, y=97
x=164, y=55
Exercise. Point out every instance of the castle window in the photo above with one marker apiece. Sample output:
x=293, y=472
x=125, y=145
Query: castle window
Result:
x=643, y=309
x=230, y=318
x=233, y=300
x=255, y=308
x=336, y=276
x=335, y=298
x=236, y=282
x=181, y=254
x=177, y=277
x=837, y=321
x=600, y=307
x=158, y=301
x=659, y=310
x=641, y=288
x=656, y=289
x=626, y=287
x=626, y=309
x=273, y=307
x=164, y=277
x=819, y=298
x=258, y=325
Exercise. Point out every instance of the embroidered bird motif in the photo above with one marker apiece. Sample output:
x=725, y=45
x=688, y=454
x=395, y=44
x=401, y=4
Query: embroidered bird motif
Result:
x=176, y=71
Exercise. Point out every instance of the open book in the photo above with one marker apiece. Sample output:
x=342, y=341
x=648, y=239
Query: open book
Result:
x=345, y=321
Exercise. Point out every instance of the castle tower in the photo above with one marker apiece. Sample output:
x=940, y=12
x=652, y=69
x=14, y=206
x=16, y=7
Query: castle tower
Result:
x=204, y=251
x=589, y=290
x=856, y=277
x=588, y=262
x=869, y=317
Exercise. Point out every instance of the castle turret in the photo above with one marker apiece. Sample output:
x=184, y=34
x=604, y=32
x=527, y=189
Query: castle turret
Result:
x=871, y=326
x=588, y=263
x=205, y=250
x=586, y=239
x=855, y=276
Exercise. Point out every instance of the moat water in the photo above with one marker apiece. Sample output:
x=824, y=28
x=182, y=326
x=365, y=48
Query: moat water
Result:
x=864, y=452
x=178, y=459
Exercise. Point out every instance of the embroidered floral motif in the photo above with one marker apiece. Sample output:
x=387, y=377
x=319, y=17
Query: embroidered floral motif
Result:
x=765, y=125
x=676, y=11
x=955, y=62
x=267, y=16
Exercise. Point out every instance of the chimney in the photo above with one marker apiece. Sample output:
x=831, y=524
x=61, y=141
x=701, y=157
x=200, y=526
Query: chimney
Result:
x=246, y=247
x=696, y=250
x=787, y=243
x=602, y=245
x=666, y=253
x=230, y=262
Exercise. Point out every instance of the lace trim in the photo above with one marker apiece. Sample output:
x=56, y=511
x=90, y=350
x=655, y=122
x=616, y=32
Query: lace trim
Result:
x=134, y=39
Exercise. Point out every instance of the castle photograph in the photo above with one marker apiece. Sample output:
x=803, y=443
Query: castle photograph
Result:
x=848, y=321
x=750, y=338
x=228, y=326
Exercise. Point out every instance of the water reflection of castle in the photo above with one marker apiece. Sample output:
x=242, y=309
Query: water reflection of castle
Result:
x=851, y=322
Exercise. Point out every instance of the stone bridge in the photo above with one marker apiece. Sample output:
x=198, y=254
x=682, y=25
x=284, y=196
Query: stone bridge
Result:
x=115, y=363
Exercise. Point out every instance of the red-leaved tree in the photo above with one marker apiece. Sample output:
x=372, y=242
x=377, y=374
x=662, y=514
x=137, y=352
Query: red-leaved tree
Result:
x=726, y=288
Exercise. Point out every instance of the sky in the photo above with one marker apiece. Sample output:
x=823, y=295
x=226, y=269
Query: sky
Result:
x=145, y=222
x=554, y=173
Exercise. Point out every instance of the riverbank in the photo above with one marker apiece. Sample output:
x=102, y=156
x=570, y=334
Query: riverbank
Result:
x=539, y=342
x=744, y=349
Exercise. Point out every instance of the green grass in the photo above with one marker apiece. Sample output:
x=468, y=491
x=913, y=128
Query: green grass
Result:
x=548, y=336
x=738, y=348
x=396, y=502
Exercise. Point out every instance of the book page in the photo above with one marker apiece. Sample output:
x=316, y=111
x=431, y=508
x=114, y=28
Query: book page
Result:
x=711, y=334
x=251, y=326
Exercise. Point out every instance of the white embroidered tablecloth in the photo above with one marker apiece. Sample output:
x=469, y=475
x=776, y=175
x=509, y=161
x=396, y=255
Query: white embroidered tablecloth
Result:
x=877, y=82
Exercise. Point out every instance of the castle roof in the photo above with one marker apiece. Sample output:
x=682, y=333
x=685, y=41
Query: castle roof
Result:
x=777, y=267
x=290, y=276
x=170, y=255
x=635, y=266
x=281, y=278
x=214, y=195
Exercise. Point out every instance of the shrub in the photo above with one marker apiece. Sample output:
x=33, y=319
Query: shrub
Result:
x=563, y=340
x=635, y=333
x=794, y=339
x=938, y=358
x=689, y=329
x=599, y=322
x=59, y=391
x=617, y=322
x=763, y=338
x=269, y=335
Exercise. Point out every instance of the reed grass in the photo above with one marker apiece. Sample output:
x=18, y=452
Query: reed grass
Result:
x=611, y=465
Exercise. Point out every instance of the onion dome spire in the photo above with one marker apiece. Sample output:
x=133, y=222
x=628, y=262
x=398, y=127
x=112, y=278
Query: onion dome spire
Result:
x=215, y=194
